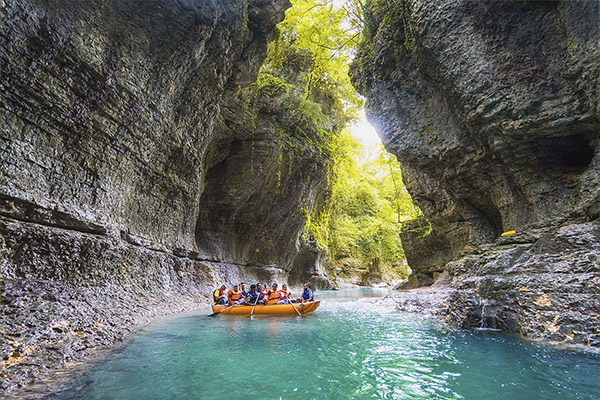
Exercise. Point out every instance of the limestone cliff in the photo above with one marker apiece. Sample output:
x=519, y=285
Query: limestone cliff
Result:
x=134, y=176
x=493, y=109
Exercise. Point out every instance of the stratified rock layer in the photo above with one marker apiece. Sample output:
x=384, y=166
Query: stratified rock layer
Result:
x=133, y=179
x=493, y=109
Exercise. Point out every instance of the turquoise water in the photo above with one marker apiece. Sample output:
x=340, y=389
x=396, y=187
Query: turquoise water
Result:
x=351, y=347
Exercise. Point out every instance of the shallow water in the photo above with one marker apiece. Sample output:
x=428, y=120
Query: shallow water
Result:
x=353, y=346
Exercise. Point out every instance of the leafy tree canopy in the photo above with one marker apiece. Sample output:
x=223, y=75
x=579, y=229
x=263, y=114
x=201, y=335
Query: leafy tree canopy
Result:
x=318, y=41
x=307, y=64
x=368, y=205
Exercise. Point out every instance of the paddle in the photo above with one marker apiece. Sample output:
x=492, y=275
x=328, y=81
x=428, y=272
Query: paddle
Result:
x=257, y=296
x=219, y=312
x=288, y=297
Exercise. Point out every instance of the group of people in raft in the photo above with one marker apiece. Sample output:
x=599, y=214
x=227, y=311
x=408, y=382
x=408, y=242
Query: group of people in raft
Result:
x=259, y=295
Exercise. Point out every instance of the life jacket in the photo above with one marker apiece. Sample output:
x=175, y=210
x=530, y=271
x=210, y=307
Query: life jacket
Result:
x=307, y=294
x=233, y=295
x=284, y=295
x=252, y=297
x=274, y=296
x=217, y=293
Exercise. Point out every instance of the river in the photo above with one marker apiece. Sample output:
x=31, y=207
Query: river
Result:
x=354, y=346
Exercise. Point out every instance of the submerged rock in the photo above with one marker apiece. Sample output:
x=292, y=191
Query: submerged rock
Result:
x=493, y=110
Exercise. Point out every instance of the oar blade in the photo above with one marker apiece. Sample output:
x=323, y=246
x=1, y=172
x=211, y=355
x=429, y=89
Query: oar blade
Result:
x=219, y=312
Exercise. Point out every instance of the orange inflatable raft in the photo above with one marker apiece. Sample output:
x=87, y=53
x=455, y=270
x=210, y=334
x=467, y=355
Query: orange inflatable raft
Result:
x=276, y=309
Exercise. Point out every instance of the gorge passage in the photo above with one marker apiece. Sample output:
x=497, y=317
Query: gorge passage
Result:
x=136, y=178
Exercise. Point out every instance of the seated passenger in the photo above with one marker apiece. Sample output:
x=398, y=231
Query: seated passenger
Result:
x=284, y=295
x=219, y=295
x=273, y=295
x=243, y=289
x=234, y=296
x=307, y=294
x=253, y=296
x=264, y=290
x=260, y=293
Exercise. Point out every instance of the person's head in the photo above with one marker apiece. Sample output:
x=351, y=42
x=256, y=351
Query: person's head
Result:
x=242, y=286
x=307, y=285
x=258, y=286
x=284, y=287
x=235, y=287
x=223, y=287
x=274, y=286
x=252, y=287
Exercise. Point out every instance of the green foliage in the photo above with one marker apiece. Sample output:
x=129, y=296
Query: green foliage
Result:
x=305, y=77
x=389, y=19
x=316, y=44
x=269, y=85
x=385, y=14
x=368, y=205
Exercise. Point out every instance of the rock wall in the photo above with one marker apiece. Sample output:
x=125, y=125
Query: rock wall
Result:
x=493, y=109
x=134, y=180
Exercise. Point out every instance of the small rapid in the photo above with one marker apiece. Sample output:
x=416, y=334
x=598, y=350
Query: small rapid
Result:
x=354, y=346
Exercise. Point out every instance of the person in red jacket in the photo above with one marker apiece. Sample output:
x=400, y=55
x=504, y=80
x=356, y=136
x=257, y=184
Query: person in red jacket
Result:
x=219, y=295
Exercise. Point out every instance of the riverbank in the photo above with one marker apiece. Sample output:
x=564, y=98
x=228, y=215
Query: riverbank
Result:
x=49, y=324
x=437, y=302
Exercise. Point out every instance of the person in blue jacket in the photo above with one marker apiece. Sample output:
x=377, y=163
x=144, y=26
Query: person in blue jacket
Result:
x=307, y=294
x=243, y=289
x=253, y=294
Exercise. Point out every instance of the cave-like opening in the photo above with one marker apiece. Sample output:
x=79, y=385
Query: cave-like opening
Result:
x=568, y=154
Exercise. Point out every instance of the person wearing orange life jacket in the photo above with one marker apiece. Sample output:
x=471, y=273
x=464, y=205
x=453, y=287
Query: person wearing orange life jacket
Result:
x=234, y=296
x=284, y=295
x=273, y=295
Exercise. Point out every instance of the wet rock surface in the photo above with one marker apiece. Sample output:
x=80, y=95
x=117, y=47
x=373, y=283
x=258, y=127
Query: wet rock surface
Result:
x=546, y=288
x=431, y=302
x=135, y=179
x=493, y=110
x=543, y=285
x=67, y=294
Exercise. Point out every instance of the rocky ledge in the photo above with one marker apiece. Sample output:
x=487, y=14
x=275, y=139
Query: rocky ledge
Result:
x=543, y=284
x=493, y=110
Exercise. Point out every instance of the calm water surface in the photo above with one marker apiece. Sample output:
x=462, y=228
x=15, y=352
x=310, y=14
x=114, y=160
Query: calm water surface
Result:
x=351, y=347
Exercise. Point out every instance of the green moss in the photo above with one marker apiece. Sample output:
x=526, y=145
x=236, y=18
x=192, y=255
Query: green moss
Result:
x=279, y=161
x=244, y=6
x=388, y=14
x=422, y=231
x=268, y=85
x=426, y=130
x=384, y=18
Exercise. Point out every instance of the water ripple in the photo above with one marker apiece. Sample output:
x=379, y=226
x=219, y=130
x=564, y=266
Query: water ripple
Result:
x=353, y=347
